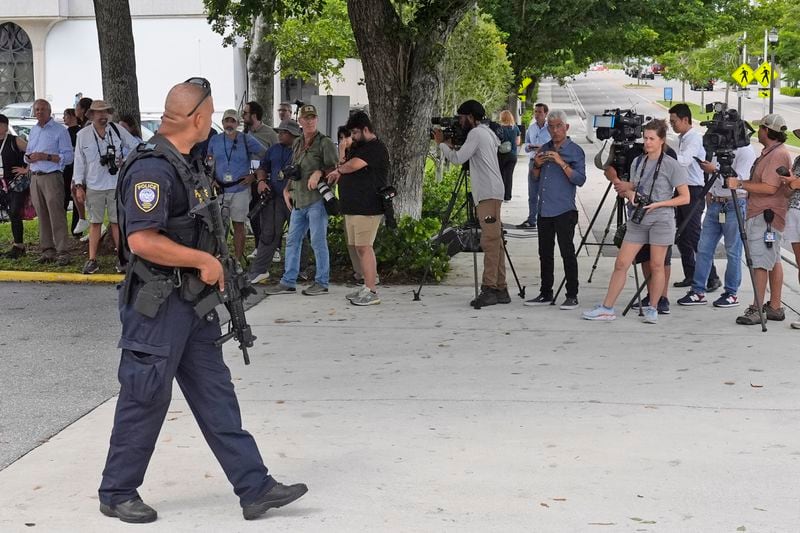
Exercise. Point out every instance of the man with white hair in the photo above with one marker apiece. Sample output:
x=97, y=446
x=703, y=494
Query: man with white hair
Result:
x=560, y=167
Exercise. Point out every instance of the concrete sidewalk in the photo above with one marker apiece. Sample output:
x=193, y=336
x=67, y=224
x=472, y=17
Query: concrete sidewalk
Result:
x=432, y=416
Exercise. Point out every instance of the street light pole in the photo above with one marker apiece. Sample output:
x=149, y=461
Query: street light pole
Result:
x=773, y=40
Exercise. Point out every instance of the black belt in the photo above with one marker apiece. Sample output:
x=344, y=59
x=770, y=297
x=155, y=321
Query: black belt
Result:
x=40, y=173
x=724, y=199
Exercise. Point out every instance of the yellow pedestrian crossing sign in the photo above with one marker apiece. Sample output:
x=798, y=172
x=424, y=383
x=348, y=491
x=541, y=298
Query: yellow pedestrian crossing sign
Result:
x=743, y=75
x=763, y=93
x=763, y=74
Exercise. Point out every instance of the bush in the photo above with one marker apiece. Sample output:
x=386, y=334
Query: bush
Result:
x=790, y=91
x=405, y=252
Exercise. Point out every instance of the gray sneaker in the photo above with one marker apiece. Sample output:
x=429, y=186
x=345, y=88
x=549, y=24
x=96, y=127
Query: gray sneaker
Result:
x=366, y=297
x=353, y=295
x=280, y=288
x=315, y=290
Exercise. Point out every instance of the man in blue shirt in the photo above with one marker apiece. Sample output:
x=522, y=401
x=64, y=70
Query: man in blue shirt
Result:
x=276, y=212
x=535, y=137
x=49, y=150
x=232, y=152
x=559, y=167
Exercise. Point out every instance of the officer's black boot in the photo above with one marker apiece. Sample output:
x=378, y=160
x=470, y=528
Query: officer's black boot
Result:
x=133, y=511
x=277, y=496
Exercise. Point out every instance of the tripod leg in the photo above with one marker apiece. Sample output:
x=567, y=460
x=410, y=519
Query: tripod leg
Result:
x=513, y=271
x=603, y=241
x=749, y=261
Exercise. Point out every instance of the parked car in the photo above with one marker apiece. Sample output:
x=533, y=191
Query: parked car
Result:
x=21, y=127
x=152, y=121
x=18, y=110
x=700, y=86
x=598, y=67
x=657, y=68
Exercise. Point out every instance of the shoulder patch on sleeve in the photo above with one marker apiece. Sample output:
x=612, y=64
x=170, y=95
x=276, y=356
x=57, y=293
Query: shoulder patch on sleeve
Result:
x=146, y=194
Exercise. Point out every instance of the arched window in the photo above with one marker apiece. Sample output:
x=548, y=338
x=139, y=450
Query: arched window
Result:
x=16, y=65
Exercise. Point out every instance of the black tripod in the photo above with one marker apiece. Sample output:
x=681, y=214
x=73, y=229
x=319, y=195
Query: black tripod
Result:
x=470, y=232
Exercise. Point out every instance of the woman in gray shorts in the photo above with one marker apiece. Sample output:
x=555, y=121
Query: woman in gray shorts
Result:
x=654, y=177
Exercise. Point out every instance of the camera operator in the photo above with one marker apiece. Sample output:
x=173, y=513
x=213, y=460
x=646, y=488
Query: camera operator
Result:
x=361, y=179
x=766, y=218
x=559, y=168
x=480, y=150
x=275, y=212
x=690, y=145
x=721, y=222
x=232, y=152
x=643, y=257
x=791, y=232
x=99, y=148
x=655, y=178
x=314, y=155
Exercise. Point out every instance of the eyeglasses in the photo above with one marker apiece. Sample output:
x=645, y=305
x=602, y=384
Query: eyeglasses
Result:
x=206, y=85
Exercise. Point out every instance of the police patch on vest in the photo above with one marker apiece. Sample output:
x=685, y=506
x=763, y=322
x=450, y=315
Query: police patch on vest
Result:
x=146, y=195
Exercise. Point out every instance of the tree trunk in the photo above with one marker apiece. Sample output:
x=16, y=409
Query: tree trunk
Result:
x=403, y=78
x=261, y=68
x=117, y=57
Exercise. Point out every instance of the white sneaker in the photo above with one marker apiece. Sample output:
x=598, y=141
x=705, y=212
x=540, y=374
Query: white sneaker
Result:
x=81, y=226
x=276, y=257
x=253, y=254
x=366, y=297
x=258, y=278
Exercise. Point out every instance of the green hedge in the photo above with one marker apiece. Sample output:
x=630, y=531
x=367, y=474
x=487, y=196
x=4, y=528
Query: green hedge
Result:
x=790, y=91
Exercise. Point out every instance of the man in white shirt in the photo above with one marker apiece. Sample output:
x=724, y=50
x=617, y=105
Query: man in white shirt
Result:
x=98, y=157
x=690, y=145
x=535, y=137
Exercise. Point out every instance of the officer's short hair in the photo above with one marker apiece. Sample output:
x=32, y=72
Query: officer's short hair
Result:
x=359, y=120
x=256, y=110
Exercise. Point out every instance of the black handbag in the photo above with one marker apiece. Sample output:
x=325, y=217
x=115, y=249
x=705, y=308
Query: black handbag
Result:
x=21, y=183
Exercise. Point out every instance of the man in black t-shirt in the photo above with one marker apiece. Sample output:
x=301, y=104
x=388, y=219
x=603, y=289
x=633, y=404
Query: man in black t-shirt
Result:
x=360, y=179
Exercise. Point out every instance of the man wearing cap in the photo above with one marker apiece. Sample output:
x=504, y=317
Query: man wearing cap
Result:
x=98, y=157
x=49, y=150
x=314, y=156
x=232, y=152
x=480, y=149
x=766, y=218
x=276, y=212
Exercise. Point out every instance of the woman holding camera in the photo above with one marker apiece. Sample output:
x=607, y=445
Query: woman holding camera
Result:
x=658, y=184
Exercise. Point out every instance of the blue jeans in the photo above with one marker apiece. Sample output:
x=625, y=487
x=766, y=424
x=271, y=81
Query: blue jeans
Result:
x=315, y=218
x=709, y=237
x=533, y=196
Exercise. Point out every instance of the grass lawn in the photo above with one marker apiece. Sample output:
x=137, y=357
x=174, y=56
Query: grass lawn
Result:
x=699, y=114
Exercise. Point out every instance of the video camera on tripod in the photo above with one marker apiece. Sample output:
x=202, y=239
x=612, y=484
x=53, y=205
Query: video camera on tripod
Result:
x=451, y=129
x=725, y=132
x=623, y=126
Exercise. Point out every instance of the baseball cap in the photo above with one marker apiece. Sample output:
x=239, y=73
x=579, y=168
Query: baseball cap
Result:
x=289, y=126
x=230, y=113
x=308, y=111
x=774, y=122
x=100, y=105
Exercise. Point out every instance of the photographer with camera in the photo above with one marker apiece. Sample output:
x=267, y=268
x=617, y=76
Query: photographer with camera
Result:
x=721, y=222
x=99, y=148
x=306, y=195
x=766, y=218
x=559, y=168
x=655, y=178
x=480, y=151
x=273, y=211
x=362, y=180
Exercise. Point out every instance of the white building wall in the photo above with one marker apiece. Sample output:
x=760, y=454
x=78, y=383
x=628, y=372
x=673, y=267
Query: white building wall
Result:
x=351, y=84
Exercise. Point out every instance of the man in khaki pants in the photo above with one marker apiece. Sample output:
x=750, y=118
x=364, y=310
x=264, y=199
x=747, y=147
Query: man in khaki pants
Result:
x=49, y=150
x=480, y=149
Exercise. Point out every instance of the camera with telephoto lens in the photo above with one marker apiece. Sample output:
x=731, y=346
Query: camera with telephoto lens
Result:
x=725, y=132
x=290, y=172
x=451, y=129
x=641, y=202
x=386, y=195
x=261, y=202
x=110, y=159
x=331, y=202
x=623, y=126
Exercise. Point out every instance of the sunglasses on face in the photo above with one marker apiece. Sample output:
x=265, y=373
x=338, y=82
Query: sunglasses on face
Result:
x=206, y=85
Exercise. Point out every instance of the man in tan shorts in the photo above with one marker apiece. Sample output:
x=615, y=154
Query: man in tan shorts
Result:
x=360, y=180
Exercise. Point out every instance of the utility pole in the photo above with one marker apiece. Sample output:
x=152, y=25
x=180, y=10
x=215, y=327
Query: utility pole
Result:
x=764, y=100
x=741, y=89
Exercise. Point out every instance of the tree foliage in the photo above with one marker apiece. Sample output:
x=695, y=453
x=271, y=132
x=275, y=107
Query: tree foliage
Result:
x=234, y=19
x=476, y=65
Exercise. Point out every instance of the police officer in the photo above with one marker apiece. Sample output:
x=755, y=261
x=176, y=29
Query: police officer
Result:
x=162, y=335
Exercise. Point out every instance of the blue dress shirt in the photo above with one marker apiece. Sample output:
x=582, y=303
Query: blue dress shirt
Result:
x=52, y=138
x=556, y=190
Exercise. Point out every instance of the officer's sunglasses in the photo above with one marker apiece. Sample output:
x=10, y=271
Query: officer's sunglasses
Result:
x=206, y=85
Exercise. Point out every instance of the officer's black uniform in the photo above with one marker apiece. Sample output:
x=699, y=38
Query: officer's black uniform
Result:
x=175, y=342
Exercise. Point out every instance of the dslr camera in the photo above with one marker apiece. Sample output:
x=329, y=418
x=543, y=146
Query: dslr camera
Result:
x=725, y=132
x=387, y=194
x=290, y=172
x=451, y=129
x=624, y=126
x=261, y=202
x=109, y=159
x=331, y=202
x=641, y=201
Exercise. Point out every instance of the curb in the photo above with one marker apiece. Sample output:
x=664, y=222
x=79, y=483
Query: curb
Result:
x=58, y=277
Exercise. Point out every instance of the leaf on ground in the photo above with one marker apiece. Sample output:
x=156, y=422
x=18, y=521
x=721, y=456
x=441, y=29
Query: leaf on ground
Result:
x=756, y=386
x=280, y=401
x=741, y=528
x=730, y=383
x=636, y=518
x=284, y=321
x=602, y=523
x=559, y=499
x=544, y=505
x=37, y=487
x=759, y=509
